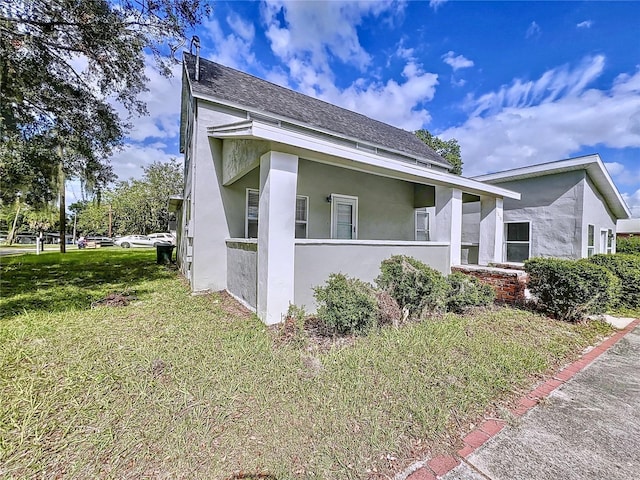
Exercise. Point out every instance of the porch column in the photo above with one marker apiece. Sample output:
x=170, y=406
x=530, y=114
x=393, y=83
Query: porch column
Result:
x=448, y=221
x=276, y=234
x=491, y=230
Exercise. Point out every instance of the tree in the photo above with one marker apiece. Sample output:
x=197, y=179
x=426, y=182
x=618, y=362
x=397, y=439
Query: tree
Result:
x=138, y=206
x=62, y=63
x=447, y=149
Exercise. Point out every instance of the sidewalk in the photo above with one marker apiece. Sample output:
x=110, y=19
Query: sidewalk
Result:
x=583, y=424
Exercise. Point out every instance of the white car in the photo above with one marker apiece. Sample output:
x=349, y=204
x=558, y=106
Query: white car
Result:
x=167, y=237
x=129, y=241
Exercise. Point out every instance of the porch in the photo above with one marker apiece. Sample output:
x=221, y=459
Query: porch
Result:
x=318, y=217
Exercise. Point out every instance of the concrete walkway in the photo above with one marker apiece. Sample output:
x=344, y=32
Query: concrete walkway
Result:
x=583, y=424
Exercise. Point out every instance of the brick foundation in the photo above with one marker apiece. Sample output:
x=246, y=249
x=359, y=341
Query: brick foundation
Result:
x=509, y=284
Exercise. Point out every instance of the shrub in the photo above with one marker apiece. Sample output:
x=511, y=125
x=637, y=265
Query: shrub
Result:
x=627, y=268
x=466, y=292
x=413, y=284
x=570, y=290
x=628, y=245
x=346, y=305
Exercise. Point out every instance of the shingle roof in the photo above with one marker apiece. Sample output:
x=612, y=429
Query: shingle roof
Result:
x=228, y=84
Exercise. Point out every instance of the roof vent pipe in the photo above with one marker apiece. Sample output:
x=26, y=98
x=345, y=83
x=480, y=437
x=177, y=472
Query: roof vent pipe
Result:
x=195, y=42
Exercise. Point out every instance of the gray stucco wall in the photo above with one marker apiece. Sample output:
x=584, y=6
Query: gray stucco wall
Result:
x=209, y=266
x=314, y=263
x=242, y=271
x=554, y=206
x=385, y=206
x=596, y=213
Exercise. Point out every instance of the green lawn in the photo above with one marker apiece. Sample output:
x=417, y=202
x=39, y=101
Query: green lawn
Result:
x=180, y=386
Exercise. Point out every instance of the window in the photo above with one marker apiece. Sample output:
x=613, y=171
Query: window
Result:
x=344, y=217
x=251, y=227
x=422, y=225
x=253, y=201
x=302, y=215
x=591, y=240
x=610, y=241
x=517, y=241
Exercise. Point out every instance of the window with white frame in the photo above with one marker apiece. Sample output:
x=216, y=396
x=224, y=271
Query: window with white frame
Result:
x=422, y=224
x=610, y=241
x=591, y=240
x=302, y=216
x=251, y=218
x=517, y=243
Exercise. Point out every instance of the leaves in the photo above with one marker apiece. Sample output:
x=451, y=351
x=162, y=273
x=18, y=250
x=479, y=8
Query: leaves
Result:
x=63, y=64
x=447, y=149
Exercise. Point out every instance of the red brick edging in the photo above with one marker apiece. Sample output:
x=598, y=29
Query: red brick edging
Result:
x=440, y=465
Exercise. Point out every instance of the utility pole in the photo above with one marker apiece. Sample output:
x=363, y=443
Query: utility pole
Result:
x=63, y=206
x=110, y=219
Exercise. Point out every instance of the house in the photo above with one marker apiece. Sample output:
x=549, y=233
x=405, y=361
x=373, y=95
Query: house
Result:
x=568, y=209
x=629, y=227
x=282, y=189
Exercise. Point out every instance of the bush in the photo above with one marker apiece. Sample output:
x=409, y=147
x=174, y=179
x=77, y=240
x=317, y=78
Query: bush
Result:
x=627, y=268
x=346, y=305
x=466, y=292
x=628, y=245
x=569, y=289
x=414, y=285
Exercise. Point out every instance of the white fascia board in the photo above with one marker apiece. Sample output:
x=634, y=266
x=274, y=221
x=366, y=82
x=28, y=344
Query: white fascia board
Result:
x=279, y=118
x=391, y=168
x=591, y=163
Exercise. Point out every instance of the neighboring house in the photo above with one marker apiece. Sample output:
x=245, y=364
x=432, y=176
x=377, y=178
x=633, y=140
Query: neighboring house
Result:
x=628, y=227
x=282, y=189
x=568, y=209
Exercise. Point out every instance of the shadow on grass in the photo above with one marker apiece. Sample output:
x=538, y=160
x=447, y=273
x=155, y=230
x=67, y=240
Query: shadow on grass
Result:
x=53, y=282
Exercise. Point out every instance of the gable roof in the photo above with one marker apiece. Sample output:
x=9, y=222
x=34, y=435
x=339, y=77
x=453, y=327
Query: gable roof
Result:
x=592, y=164
x=236, y=88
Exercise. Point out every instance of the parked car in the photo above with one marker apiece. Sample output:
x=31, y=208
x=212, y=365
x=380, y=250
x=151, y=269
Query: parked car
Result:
x=103, y=241
x=129, y=241
x=168, y=237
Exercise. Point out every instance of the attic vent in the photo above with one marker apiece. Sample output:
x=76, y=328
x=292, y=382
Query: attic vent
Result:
x=367, y=148
x=263, y=118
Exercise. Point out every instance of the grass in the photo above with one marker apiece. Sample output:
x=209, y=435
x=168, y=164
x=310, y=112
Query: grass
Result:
x=175, y=386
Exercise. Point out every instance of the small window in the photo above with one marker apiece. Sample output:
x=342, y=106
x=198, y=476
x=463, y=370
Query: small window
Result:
x=591, y=240
x=422, y=225
x=610, y=241
x=517, y=242
x=302, y=215
x=253, y=202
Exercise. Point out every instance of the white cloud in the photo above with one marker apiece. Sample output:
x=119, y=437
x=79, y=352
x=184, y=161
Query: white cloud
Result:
x=129, y=161
x=374, y=99
x=233, y=50
x=313, y=35
x=533, y=30
x=456, y=62
x=435, y=4
x=163, y=105
x=585, y=24
x=549, y=119
x=633, y=202
x=318, y=31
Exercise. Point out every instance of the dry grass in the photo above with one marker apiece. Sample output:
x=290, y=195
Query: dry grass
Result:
x=175, y=386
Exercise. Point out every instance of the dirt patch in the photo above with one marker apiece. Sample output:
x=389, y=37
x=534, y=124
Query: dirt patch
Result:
x=114, y=300
x=232, y=306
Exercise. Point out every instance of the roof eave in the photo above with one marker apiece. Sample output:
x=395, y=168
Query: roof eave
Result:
x=592, y=164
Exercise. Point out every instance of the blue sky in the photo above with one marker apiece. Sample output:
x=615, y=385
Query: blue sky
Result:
x=517, y=83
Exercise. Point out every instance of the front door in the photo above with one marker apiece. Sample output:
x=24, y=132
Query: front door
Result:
x=344, y=217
